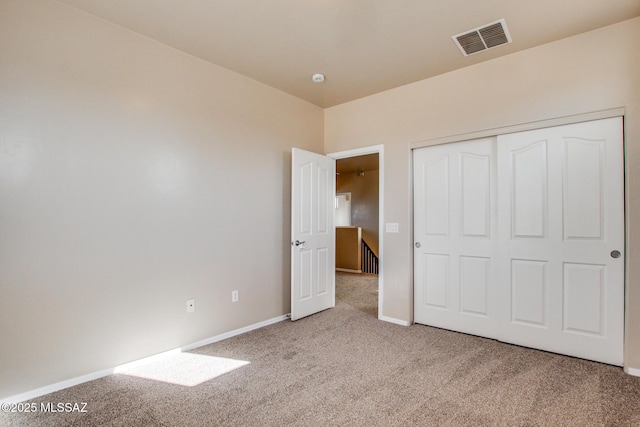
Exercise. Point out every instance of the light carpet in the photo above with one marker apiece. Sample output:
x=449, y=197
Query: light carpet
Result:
x=343, y=367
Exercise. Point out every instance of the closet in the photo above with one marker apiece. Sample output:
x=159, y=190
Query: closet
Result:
x=520, y=238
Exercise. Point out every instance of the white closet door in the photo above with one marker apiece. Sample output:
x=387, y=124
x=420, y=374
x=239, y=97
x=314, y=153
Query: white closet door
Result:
x=455, y=237
x=561, y=213
x=520, y=238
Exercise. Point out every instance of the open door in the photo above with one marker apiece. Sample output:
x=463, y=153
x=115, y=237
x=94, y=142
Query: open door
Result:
x=312, y=233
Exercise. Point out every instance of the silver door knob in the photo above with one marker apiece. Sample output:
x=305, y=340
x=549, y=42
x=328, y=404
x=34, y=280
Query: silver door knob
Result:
x=418, y=244
x=615, y=254
x=298, y=242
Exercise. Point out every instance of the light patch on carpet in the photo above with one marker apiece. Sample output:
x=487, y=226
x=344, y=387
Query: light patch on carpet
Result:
x=186, y=369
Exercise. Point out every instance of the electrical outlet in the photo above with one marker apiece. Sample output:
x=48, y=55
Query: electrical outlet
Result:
x=191, y=305
x=234, y=296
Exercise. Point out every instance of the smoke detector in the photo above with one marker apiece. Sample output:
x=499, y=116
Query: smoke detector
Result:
x=318, y=78
x=483, y=38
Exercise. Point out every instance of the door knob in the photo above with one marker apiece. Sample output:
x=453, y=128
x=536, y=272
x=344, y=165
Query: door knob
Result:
x=615, y=254
x=298, y=242
x=418, y=244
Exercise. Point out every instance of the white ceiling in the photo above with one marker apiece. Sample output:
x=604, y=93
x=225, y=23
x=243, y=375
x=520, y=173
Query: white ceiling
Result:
x=362, y=46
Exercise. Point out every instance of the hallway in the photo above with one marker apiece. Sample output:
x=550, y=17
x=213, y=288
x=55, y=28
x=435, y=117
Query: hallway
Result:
x=359, y=291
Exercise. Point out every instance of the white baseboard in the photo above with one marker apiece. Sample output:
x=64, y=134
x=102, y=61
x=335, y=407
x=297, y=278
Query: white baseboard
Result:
x=105, y=372
x=234, y=333
x=57, y=386
x=632, y=371
x=396, y=321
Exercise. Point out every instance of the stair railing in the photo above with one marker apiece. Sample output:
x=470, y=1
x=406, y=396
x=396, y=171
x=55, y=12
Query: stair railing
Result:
x=369, y=260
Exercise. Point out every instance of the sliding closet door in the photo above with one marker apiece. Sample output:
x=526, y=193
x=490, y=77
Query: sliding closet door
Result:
x=521, y=238
x=561, y=210
x=455, y=237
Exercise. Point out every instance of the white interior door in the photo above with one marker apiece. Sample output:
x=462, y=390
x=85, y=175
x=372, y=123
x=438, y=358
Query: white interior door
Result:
x=561, y=216
x=312, y=233
x=455, y=244
x=525, y=252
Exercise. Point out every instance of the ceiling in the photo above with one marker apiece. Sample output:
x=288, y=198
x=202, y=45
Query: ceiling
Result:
x=365, y=163
x=362, y=46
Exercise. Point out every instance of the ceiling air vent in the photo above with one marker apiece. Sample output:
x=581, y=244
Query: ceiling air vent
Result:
x=483, y=38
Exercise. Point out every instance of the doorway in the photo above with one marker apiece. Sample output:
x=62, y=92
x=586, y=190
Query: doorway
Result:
x=360, y=173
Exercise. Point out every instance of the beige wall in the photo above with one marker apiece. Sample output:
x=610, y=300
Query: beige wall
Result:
x=132, y=177
x=364, y=203
x=594, y=71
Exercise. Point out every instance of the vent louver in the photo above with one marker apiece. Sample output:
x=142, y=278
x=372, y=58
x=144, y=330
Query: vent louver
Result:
x=483, y=38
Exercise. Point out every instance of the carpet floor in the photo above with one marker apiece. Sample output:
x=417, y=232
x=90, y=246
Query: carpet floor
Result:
x=343, y=367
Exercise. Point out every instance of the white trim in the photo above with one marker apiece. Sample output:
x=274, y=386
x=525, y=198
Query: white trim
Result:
x=57, y=386
x=395, y=321
x=357, y=152
x=576, y=118
x=347, y=270
x=361, y=152
x=632, y=371
x=106, y=372
x=234, y=333
x=411, y=240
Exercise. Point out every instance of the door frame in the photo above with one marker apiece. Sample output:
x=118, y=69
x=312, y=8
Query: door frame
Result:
x=379, y=149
